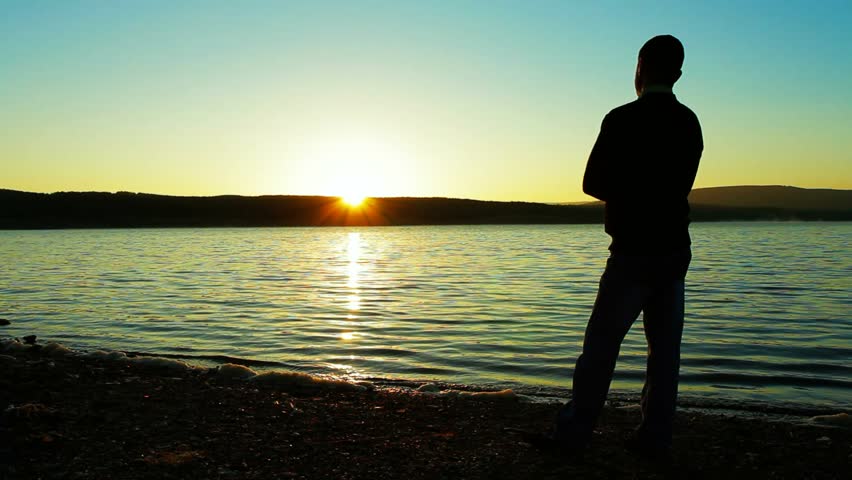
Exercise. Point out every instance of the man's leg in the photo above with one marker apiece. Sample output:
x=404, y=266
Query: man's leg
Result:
x=663, y=321
x=617, y=306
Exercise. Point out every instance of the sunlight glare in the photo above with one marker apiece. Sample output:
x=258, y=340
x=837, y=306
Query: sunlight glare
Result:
x=353, y=200
x=353, y=303
x=354, y=163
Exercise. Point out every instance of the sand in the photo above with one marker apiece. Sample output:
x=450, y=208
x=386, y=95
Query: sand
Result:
x=107, y=415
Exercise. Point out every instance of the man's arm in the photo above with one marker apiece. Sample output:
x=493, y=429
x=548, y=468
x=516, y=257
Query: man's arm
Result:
x=595, y=181
x=696, y=158
x=693, y=148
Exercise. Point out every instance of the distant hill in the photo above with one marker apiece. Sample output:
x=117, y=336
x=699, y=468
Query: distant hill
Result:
x=773, y=196
x=25, y=210
x=125, y=209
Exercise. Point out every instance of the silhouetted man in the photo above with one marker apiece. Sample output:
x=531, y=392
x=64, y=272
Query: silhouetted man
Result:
x=642, y=165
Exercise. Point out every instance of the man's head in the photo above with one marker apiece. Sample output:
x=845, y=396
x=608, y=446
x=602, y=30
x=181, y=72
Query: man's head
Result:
x=660, y=61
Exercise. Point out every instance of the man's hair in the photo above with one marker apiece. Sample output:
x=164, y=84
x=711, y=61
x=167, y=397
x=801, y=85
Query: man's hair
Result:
x=663, y=55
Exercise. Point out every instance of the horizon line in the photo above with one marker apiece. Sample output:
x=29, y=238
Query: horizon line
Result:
x=576, y=202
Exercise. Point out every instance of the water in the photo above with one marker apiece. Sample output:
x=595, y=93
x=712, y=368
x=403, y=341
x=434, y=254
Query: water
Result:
x=768, y=304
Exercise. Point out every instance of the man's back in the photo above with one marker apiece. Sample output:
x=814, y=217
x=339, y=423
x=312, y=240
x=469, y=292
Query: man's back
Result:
x=643, y=166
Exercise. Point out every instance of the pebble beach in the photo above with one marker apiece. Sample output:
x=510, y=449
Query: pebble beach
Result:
x=69, y=414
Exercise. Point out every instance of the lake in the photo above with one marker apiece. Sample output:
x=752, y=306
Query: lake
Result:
x=768, y=304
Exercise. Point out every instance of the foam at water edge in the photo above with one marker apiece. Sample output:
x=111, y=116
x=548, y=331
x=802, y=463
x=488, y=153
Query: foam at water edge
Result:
x=296, y=380
x=837, y=420
x=234, y=372
x=433, y=389
x=285, y=380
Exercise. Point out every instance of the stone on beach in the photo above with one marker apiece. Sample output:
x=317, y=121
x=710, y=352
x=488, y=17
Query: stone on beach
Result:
x=4, y=322
x=12, y=346
x=29, y=410
x=56, y=350
x=429, y=388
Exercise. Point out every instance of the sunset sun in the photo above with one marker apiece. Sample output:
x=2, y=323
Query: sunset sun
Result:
x=353, y=200
x=355, y=165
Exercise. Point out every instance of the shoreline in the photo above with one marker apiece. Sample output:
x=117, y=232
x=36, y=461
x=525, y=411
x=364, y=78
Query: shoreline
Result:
x=785, y=410
x=68, y=414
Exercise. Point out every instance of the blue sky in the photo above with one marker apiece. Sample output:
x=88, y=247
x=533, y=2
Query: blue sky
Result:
x=490, y=99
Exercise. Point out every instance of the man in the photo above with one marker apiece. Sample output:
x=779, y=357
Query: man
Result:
x=643, y=165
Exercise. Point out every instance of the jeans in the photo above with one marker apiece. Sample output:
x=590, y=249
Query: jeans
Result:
x=653, y=284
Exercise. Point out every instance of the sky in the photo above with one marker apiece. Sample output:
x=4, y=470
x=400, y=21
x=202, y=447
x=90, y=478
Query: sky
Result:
x=491, y=99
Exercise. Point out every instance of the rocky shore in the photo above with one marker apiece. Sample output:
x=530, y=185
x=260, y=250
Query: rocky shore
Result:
x=106, y=415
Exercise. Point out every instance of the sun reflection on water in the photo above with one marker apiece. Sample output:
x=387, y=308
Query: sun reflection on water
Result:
x=353, y=305
x=353, y=249
x=352, y=273
x=353, y=298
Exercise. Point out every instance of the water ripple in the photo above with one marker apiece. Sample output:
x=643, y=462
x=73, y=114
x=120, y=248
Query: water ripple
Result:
x=767, y=303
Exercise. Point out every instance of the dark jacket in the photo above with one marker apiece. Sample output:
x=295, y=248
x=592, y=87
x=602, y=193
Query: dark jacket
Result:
x=643, y=165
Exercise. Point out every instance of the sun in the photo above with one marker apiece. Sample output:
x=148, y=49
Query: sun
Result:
x=354, y=166
x=353, y=200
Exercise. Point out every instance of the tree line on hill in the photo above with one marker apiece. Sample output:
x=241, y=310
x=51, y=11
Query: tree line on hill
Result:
x=25, y=210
